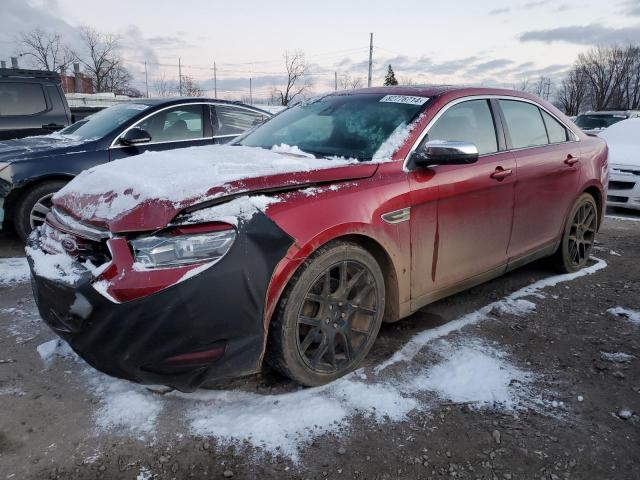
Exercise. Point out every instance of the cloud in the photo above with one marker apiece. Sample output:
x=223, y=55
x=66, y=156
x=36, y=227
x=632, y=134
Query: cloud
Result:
x=499, y=11
x=594, y=34
x=535, y=4
x=632, y=7
x=489, y=66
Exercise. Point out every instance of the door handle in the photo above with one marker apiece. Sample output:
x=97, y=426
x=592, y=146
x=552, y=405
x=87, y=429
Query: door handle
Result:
x=571, y=160
x=500, y=173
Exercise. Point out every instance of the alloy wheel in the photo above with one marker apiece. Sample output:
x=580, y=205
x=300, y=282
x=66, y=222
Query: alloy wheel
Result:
x=337, y=317
x=40, y=210
x=582, y=234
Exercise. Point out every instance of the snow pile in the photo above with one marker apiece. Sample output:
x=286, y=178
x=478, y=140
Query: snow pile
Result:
x=13, y=270
x=477, y=374
x=510, y=304
x=239, y=209
x=288, y=149
x=177, y=175
x=617, y=357
x=55, y=348
x=123, y=407
x=58, y=266
x=395, y=141
x=286, y=423
x=632, y=315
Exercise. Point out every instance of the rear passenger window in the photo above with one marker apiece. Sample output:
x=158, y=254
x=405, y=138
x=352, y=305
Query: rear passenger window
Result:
x=234, y=121
x=525, y=124
x=557, y=132
x=469, y=121
x=21, y=99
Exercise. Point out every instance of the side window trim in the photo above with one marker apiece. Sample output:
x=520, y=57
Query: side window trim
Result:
x=497, y=126
x=114, y=143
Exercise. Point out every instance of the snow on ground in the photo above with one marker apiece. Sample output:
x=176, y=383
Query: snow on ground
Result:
x=477, y=374
x=617, y=357
x=514, y=304
x=617, y=217
x=13, y=270
x=632, y=315
x=467, y=370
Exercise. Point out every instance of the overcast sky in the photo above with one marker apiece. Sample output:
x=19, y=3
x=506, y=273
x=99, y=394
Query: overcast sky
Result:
x=463, y=41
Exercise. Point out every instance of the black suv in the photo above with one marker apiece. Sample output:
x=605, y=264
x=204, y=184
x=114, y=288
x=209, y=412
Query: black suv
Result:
x=33, y=169
x=31, y=103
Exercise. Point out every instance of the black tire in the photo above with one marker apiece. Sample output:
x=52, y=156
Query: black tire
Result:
x=578, y=236
x=39, y=198
x=333, y=304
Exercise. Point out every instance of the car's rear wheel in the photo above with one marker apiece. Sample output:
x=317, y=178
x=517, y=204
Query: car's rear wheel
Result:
x=329, y=315
x=33, y=206
x=579, y=235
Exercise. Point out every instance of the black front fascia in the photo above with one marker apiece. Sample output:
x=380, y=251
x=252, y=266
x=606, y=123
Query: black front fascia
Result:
x=223, y=305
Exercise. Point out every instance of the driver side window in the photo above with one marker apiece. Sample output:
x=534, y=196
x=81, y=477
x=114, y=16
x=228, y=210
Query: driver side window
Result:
x=174, y=124
x=469, y=121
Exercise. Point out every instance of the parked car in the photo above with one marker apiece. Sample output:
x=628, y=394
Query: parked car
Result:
x=293, y=244
x=596, y=122
x=623, y=139
x=33, y=169
x=31, y=103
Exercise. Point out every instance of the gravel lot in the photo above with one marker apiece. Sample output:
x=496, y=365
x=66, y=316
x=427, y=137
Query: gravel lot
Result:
x=528, y=376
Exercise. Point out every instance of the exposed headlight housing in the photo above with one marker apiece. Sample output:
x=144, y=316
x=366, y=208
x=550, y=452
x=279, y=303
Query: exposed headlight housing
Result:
x=176, y=250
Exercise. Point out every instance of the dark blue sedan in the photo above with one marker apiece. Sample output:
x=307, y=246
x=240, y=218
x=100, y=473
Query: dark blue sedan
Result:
x=33, y=169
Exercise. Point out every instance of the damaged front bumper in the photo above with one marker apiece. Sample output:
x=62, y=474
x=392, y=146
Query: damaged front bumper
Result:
x=207, y=327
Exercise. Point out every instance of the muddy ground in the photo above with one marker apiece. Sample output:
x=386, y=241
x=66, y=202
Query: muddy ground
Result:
x=575, y=410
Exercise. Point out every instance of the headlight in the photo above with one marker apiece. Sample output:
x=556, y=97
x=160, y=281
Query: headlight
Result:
x=167, y=251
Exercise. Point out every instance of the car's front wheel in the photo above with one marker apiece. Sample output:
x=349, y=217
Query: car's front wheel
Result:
x=329, y=315
x=33, y=206
x=579, y=235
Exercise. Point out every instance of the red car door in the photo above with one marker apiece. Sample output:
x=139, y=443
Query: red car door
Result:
x=461, y=215
x=548, y=175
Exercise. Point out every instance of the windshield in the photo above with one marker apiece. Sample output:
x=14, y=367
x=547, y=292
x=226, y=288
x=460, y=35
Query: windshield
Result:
x=103, y=122
x=593, y=122
x=351, y=126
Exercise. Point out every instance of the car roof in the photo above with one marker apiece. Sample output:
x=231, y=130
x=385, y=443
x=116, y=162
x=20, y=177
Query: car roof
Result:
x=436, y=90
x=156, y=102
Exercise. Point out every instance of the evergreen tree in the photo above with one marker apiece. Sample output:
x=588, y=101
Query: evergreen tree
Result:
x=390, y=78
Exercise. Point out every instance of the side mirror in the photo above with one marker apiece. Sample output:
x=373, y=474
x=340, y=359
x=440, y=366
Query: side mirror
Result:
x=135, y=136
x=437, y=152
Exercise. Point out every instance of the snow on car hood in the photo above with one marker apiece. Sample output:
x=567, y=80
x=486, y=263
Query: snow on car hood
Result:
x=145, y=192
x=623, y=139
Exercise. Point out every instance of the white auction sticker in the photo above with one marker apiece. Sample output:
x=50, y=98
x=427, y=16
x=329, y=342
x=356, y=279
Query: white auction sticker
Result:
x=404, y=99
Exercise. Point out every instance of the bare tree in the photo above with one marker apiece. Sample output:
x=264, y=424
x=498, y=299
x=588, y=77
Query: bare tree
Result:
x=524, y=86
x=572, y=95
x=163, y=87
x=101, y=57
x=542, y=87
x=297, y=84
x=190, y=87
x=407, y=81
x=347, y=82
x=606, y=70
x=45, y=50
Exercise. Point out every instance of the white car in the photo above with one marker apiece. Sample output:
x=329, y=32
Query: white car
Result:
x=623, y=139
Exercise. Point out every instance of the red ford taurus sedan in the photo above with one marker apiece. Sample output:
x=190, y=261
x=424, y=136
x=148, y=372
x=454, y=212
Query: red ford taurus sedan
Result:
x=295, y=243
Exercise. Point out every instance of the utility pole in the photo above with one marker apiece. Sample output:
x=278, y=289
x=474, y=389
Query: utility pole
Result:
x=215, y=81
x=335, y=80
x=370, y=59
x=250, y=92
x=146, y=78
x=180, y=76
